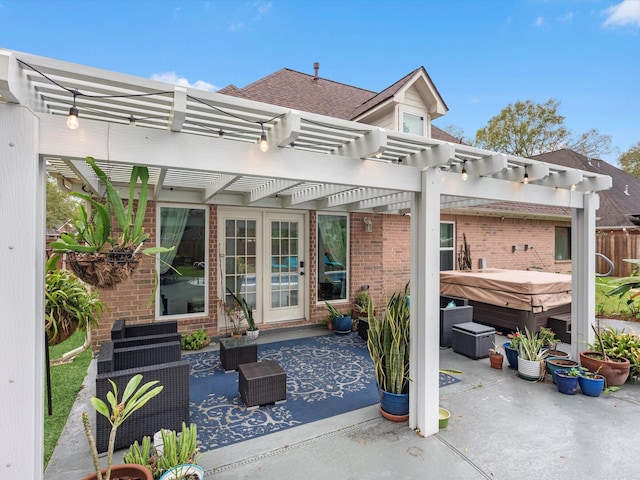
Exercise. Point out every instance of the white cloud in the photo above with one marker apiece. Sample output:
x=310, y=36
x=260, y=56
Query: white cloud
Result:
x=625, y=13
x=235, y=26
x=539, y=21
x=171, y=77
x=262, y=7
x=567, y=17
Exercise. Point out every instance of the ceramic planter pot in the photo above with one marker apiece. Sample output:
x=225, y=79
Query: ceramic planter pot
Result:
x=531, y=369
x=591, y=385
x=615, y=371
x=496, y=360
x=443, y=417
x=555, y=363
x=188, y=470
x=394, y=403
x=512, y=355
x=253, y=334
x=125, y=470
x=342, y=325
x=567, y=384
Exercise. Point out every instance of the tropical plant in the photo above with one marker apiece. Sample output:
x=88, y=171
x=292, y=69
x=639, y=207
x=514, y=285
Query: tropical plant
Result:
x=496, y=350
x=388, y=343
x=614, y=343
x=195, y=340
x=69, y=304
x=361, y=301
x=333, y=311
x=93, y=232
x=530, y=346
x=629, y=285
x=233, y=313
x=247, y=311
x=116, y=412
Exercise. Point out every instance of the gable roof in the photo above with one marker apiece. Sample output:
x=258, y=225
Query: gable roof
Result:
x=300, y=91
x=620, y=205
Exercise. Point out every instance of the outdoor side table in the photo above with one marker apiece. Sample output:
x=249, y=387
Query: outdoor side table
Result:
x=261, y=383
x=235, y=351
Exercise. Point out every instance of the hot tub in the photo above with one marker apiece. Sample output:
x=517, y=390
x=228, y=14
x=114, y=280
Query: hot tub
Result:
x=510, y=299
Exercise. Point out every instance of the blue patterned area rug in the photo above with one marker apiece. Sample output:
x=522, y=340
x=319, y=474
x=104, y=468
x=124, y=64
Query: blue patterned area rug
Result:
x=326, y=376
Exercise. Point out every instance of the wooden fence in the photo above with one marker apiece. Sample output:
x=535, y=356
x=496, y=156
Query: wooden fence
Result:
x=617, y=248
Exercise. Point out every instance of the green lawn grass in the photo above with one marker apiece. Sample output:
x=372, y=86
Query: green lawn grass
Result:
x=614, y=306
x=66, y=381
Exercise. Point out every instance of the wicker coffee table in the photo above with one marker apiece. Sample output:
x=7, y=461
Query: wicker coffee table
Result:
x=235, y=351
x=261, y=383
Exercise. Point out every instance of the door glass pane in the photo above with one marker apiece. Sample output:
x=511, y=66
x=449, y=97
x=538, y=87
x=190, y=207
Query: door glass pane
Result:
x=184, y=228
x=240, y=260
x=284, y=265
x=332, y=257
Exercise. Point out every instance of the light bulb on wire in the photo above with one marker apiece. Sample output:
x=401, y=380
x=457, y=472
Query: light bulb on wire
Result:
x=264, y=145
x=465, y=175
x=72, y=119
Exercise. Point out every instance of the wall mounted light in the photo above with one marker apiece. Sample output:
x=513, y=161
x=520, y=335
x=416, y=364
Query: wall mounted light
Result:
x=72, y=119
x=368, y=224
x=465, y=175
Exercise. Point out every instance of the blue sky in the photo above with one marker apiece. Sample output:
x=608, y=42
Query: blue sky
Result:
x=481, y=54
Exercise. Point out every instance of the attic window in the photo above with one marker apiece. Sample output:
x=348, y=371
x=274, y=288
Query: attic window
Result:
x=413, y=123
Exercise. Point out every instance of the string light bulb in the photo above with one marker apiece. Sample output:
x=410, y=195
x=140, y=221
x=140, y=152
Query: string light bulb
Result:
x=72, y=119
x=264, y=145
x=526, y=176
x=132, y=121
x=465, y=175
x=573, y=187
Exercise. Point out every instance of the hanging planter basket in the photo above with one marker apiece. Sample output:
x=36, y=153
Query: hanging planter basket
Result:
x=65, y=329
x=103, y=269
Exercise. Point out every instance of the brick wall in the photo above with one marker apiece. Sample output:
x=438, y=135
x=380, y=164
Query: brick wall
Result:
x=492, y=238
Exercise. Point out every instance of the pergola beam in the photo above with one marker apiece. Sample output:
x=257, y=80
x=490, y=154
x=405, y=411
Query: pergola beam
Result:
x=369, y=145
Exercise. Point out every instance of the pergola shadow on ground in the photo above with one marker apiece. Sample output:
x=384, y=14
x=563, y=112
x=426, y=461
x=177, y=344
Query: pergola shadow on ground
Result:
x=501, y=427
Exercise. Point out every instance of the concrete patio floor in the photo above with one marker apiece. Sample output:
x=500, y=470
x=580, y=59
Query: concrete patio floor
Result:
x=501, y=427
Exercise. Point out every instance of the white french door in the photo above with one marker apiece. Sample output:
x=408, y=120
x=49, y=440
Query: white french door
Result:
x=262, y=257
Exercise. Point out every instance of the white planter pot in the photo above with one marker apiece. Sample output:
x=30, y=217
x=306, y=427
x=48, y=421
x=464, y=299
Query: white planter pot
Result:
x=531, y=369
x=181, y=470
x=253, y=334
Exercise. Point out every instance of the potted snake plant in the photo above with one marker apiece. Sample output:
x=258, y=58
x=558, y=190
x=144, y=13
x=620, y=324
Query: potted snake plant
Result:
x=388, y=344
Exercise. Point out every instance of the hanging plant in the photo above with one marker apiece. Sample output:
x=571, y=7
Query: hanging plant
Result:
x=69, y=305
x=93, y=254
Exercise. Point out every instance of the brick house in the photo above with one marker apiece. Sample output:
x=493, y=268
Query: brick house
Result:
x=328, y=204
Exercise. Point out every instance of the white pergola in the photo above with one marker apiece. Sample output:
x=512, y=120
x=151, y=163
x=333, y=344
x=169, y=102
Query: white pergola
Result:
x=201, y=147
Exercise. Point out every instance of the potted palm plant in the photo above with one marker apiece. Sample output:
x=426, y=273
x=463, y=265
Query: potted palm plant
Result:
x=388, y=344
x=93, y=254
x=118, y=410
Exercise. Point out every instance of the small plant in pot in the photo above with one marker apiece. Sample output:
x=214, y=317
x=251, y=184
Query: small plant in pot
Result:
x=531, y=364
x=134, y=397
x=496, y=357
x=247, y=311
x=567, y=380
x=342, y=324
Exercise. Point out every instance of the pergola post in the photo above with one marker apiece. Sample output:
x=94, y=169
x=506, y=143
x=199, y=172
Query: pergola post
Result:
x=424, y=396
x=22, y=247
x=583, y=266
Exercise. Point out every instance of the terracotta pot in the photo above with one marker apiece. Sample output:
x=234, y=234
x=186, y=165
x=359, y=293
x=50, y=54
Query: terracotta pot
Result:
x=615, y=371
x=496, y=360
x=125, y=471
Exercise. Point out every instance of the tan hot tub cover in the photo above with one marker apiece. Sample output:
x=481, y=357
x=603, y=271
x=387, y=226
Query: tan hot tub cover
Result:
x=526, y=290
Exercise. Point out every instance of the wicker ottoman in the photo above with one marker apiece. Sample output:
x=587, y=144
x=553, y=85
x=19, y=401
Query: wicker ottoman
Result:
x=234, y=351
x=261, y=383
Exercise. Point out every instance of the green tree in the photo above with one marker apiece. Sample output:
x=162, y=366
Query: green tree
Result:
x=593, y=144
x=60, y=206
x=525, y=129
x=630, y=160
